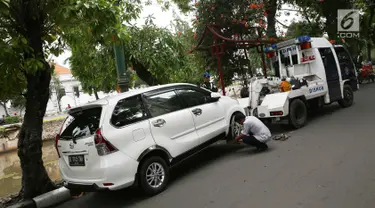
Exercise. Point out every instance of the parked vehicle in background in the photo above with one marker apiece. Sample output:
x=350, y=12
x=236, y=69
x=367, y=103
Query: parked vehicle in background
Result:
x=366, y=73
x=135, y=137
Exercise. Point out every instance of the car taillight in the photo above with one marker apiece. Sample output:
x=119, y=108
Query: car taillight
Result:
x=276, y=113
x=103, y=146
x=56, y=144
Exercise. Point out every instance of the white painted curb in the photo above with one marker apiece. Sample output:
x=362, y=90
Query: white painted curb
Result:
x=52, y=198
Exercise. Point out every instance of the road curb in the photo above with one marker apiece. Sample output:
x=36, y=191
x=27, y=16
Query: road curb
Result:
x=52, y=198
x=48, y=199
x=24, y=204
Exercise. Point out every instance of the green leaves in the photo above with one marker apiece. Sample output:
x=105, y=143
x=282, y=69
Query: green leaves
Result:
x=165, y=53
x=162, y=52
x=78, y=24
x=33, y=65
x=304, y=28
x=94, y=66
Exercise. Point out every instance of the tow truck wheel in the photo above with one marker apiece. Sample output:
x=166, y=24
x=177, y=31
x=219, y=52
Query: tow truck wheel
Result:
x=347, y=101
x=297, y=114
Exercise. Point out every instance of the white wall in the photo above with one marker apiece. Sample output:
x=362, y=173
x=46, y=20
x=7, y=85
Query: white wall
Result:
x=67, y=82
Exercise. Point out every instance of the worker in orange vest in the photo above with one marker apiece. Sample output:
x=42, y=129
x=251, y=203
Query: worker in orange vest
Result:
x=285, y=85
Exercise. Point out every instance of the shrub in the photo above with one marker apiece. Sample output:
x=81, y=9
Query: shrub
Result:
x=12, y=119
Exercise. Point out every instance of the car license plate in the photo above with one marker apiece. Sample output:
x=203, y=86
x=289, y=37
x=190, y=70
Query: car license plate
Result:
x=76, y=160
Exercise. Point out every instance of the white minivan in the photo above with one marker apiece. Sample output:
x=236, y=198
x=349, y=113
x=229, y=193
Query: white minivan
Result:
x=135, y=137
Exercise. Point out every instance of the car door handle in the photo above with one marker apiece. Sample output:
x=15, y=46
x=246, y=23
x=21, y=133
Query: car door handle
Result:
x=197, y=111
x=159, y=123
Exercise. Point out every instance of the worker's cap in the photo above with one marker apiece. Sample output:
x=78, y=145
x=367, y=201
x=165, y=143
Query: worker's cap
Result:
x=206, y=74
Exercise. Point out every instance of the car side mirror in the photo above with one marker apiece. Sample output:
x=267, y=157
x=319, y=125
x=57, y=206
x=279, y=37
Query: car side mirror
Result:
x=215, y=97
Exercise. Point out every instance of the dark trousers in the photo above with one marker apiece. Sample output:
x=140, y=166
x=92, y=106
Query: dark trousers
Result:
x=252, y=141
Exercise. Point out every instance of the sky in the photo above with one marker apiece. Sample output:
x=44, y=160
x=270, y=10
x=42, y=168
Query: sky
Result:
x=164, y=18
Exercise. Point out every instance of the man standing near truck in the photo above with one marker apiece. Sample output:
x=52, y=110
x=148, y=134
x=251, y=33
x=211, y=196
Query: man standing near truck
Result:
x=254, y=133
x=207, y=82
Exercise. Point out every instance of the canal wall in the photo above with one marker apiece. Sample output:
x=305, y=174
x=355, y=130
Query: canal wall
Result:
x=9, y=133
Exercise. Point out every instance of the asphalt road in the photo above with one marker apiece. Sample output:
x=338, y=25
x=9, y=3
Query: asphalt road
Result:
x=329, y=163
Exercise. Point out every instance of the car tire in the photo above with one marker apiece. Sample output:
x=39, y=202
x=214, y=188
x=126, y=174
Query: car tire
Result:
x=348, y=99
x=297, y=114
x=233, y=129
x=158, y=167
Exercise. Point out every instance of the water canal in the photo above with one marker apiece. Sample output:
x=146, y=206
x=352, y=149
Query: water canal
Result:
x=10, y=169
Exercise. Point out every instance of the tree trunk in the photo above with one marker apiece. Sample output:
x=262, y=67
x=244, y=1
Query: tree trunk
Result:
x=30, y=18
x=35, y=180
x=4, y=104
x=369, y=30
x=58, y=99
x=21, y=109
x=331, y=30
x=271, y=8
x=144, y=74
x=369, y=49
x=96, y=94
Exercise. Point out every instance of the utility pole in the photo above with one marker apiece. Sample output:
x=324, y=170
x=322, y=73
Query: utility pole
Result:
x=122, y=76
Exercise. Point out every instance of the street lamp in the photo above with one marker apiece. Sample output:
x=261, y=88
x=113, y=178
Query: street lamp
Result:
x=122, y=76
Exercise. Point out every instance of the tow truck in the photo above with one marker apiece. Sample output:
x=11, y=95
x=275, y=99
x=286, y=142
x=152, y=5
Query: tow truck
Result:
x=320, y=73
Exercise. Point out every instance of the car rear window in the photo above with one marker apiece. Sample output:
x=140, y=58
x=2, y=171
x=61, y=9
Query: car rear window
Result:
x=81, y=123
x=128, y=111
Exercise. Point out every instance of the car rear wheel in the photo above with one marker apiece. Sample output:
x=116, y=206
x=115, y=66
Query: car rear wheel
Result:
x=153, y=175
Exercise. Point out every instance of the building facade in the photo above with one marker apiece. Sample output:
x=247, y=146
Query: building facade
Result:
x=67, y=92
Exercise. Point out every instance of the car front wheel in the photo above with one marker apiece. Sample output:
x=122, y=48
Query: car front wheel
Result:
x=153, y=175
x=234, y=129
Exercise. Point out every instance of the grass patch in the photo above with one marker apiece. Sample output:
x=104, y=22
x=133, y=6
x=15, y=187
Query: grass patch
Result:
x=3, y=128
x=55, y=119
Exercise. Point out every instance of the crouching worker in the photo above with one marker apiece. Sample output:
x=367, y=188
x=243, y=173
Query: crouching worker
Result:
x=255, y=132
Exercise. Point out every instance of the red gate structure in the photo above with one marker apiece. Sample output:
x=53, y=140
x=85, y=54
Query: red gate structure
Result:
x=221, y=43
